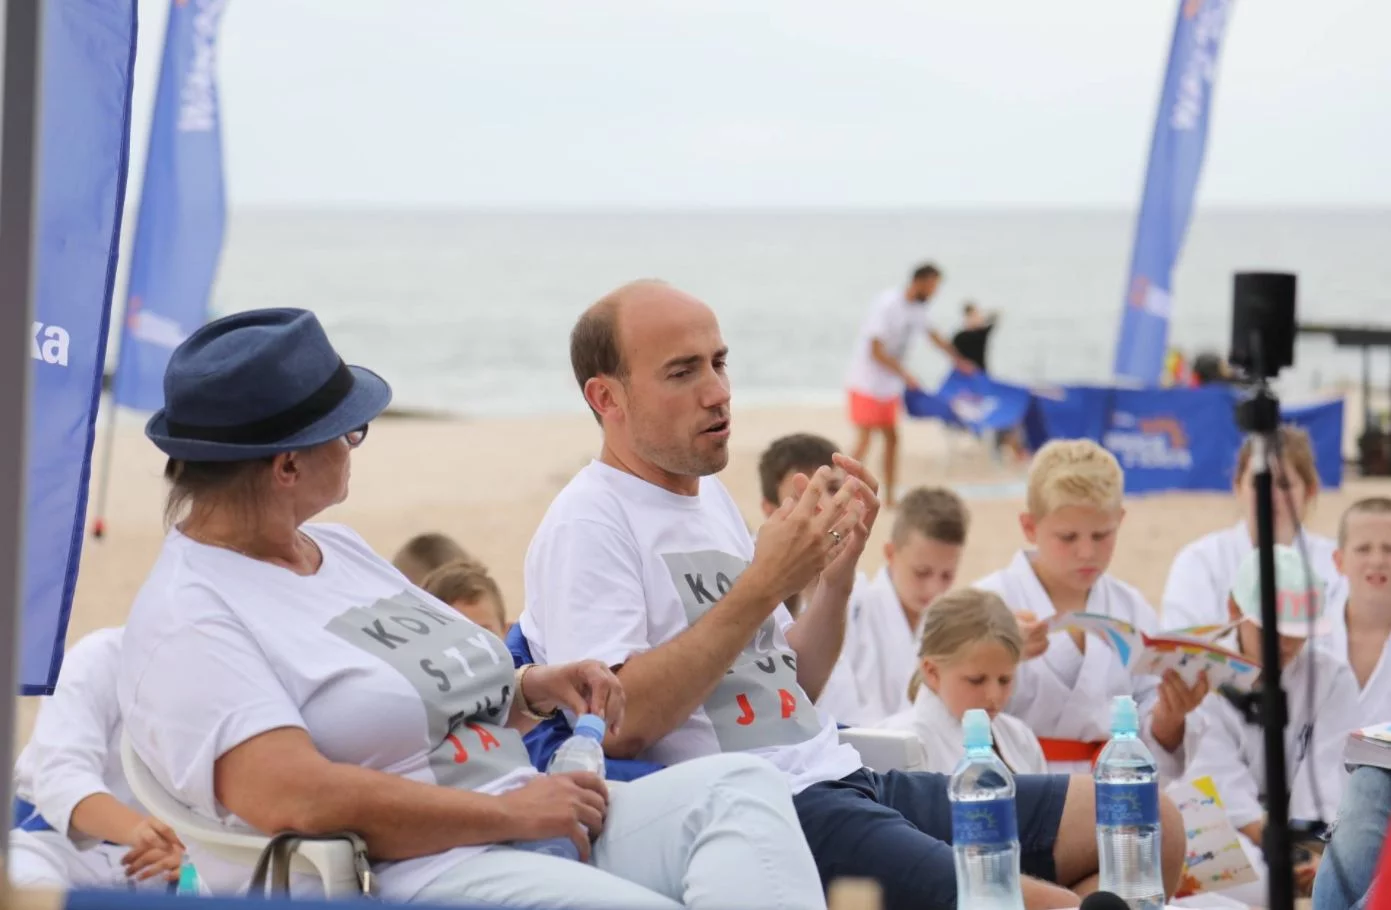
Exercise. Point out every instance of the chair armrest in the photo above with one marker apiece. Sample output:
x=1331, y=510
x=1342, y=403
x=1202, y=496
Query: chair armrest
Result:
x=885, y=750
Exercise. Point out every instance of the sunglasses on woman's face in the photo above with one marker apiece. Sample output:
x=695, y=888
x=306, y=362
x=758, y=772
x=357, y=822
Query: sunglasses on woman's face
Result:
x=354, y=438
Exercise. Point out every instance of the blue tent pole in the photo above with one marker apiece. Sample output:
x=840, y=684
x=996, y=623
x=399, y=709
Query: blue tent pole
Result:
x=19, y=120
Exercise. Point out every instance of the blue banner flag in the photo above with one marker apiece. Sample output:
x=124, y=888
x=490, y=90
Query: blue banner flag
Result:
x=973, y=401
x=1171, y=182
x=1176, y=439
x=88, y=66
x=178, y=238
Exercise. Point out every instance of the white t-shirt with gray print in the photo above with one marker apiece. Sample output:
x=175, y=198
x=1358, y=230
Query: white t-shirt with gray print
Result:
x=620, y=566
x=220, y=648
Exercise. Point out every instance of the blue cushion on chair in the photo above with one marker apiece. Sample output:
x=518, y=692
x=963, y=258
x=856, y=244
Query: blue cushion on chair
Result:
x=547, y=736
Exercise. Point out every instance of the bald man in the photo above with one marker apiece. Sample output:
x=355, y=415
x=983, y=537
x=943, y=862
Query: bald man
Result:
x=643, y=561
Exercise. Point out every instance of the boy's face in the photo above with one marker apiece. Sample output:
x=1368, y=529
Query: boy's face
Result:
x=485, y=611
x=787, y=488
x=1364, y=558
x=921, y=569
x=1074, y=543
x=1248, y=635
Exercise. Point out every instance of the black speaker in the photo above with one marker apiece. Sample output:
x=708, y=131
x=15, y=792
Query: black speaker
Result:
x=1263, y=315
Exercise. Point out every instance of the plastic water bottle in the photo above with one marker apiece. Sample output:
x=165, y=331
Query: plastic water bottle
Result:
x=1127, y=813
x=188, y=880
x=584, y=751
x=984, y=828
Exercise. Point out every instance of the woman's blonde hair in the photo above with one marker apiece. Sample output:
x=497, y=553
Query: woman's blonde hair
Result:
x=962, y=618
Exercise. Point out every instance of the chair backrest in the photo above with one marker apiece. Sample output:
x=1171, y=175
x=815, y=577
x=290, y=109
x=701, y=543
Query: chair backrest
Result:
x=242, y=849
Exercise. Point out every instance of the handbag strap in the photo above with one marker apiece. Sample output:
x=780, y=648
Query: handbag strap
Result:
x=275, y=861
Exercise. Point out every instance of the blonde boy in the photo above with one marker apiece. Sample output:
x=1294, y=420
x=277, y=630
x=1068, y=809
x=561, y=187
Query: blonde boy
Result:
x=880, y=654
x=1067, y=680
x=1359, y=611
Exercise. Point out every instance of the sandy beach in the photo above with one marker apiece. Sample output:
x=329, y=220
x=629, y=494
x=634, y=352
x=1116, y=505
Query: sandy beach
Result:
x=488, y=482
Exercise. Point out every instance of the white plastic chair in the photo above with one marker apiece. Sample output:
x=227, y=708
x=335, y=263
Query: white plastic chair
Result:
x=331, y=861
x=885, y=750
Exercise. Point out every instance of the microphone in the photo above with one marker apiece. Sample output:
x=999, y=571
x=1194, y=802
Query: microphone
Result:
x=1103, y=900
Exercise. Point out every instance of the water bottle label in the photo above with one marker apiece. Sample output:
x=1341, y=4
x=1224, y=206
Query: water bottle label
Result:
x=1127, y=804
x=989, y=821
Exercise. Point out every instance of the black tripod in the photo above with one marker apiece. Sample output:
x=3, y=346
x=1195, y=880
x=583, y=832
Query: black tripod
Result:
x=1259, y=415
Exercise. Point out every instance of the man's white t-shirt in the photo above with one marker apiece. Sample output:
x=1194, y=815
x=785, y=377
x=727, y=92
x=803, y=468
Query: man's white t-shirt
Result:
x=220, y=648
x=620, y=566
x=895, y=321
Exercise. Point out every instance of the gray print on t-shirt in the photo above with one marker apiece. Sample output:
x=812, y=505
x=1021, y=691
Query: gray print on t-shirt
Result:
x=464, y=676
x=758, y=704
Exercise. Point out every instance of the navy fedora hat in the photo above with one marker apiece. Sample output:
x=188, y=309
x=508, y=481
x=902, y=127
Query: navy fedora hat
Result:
x=258, y=383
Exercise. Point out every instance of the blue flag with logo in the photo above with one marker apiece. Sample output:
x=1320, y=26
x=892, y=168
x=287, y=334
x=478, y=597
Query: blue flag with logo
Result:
x=84, y=131
x=974, y=401
x=1171, y=182
x=1175, y=439
x=178, y=238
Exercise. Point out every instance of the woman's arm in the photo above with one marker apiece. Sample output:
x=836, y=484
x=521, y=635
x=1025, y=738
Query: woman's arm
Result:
x=278, y=781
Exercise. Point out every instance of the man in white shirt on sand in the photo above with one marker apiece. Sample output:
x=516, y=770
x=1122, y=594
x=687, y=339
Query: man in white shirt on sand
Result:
x=878, y=376
x=644, y=562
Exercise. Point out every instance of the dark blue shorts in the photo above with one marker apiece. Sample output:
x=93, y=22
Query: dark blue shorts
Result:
x=896, y=828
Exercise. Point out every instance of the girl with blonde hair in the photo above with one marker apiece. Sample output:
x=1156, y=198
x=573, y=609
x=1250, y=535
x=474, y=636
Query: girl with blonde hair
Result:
x=968, y=651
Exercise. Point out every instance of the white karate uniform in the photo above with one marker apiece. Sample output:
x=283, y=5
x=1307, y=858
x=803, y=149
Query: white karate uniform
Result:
x=1374, y=699
x=1232, y=752
x=1200, y=578
x=74, y=753
x=1066, y=694
x=944, y=742
x=880, y=653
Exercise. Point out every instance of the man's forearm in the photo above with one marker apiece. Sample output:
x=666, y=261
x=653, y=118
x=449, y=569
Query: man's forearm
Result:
x=666, y=685
x=817, y=636
x=888, y=361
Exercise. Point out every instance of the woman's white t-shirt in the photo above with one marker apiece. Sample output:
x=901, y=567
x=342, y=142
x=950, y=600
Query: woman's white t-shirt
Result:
x=220, y=648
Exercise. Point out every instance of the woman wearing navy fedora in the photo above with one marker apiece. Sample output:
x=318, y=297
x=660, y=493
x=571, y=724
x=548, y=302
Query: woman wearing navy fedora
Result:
x=280, y=675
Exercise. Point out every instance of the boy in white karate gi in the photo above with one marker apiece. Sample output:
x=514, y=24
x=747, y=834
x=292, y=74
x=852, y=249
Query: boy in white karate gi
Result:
x=1359, y=612
x=1201, y=576
x=1232, y=750
x=1068, y=679
x=880, y=652
x=78, y=824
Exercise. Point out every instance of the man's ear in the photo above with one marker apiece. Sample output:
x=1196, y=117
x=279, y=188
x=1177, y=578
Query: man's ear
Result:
x=604, y=395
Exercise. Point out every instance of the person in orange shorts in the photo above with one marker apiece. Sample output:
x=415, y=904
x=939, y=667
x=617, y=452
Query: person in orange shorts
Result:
x=877, y=375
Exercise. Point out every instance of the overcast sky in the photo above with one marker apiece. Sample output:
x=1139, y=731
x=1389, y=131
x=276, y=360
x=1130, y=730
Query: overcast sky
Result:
x=778, y=102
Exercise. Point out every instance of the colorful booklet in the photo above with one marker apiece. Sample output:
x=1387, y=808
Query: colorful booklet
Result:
x=1187, y=651
x=1216, y=859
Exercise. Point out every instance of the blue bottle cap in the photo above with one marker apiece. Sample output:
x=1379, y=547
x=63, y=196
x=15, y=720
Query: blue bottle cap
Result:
x=975, y=724
x=1125, y=718
x=591, y=725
